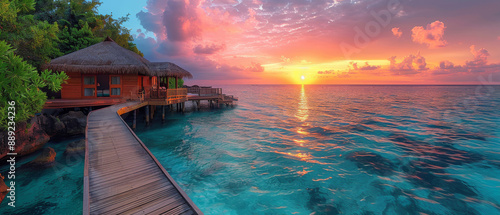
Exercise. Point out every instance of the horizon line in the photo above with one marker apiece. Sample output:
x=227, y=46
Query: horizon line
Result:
x=368, y=84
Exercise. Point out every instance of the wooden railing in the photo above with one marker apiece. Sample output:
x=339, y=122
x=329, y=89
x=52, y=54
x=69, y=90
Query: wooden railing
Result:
x=168, y=94
x=176, y=93
x=205, y=91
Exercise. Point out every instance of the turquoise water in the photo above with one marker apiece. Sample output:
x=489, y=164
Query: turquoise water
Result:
x=338, y=149
x=321, y=149
x=52, y=190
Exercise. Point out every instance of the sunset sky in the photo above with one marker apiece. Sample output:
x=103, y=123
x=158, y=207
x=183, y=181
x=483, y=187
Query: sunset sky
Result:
x=326, y=41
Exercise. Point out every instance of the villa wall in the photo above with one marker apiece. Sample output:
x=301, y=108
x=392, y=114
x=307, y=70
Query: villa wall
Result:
x=73, y=88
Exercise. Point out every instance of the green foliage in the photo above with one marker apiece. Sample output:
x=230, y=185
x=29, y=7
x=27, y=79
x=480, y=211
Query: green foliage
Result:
x=171, y=83
x=20, y=82
x=34, y=40
x=79, y=18
x=76, y=39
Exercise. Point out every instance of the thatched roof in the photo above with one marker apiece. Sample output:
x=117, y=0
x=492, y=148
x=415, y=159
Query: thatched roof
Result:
x=167, y=69
x=105, y=57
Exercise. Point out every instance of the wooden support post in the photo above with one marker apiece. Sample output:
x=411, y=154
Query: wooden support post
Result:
x=158, y=86
x=134, y=124
x=147, y=114
x=163, y=113
x=183, y=106
x=152, y=112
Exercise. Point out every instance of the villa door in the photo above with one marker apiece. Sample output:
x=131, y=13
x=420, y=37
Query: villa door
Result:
x=103, y=86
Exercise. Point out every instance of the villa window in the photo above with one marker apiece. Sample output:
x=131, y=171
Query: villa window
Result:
x=115, y=91
x=89, y=80
x=115, y=80
x=89, y=92
x=89, y=85
x=115, y=85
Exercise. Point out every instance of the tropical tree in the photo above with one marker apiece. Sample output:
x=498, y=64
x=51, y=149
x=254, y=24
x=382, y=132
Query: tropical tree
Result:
x=20, y=82
x=34, y=40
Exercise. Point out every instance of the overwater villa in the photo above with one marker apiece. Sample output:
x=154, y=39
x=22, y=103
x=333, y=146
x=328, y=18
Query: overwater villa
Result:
x=106, y=74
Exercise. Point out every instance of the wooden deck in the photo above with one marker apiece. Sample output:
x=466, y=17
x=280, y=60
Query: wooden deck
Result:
x=71, y=103
x=213, y=95
x=121, y=175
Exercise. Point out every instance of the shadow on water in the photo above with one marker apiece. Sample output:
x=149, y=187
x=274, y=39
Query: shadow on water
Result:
x=372, y=163
x=318, y=203
x=428, y=171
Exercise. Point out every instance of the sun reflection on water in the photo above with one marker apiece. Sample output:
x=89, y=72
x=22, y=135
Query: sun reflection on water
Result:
x=303, y=111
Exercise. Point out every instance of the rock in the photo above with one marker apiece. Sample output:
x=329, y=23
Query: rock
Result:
x=52, y=125
x=3, y=188
x=46, y=158
x=74, y=122
x=75, y=147
x=29, y=138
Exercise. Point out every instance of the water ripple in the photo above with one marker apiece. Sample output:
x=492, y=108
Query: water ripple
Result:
x=338, y=149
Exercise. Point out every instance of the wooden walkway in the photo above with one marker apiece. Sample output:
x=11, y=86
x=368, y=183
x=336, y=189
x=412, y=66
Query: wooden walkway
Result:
x=121, y=175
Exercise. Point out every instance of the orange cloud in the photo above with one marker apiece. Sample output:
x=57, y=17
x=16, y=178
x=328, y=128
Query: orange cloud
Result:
x=397, y=32
x=363, y=67
x=408, y=66
x=480, y=57
x=432, y=35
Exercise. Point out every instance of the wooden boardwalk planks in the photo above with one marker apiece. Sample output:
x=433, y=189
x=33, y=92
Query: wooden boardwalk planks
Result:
x=121, y=175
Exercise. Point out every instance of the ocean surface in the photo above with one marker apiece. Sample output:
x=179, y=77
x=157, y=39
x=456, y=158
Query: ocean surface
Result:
x=57, y=189
x=338, y=150
x=293, y=149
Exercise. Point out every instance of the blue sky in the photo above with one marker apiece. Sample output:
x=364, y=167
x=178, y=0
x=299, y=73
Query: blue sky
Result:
x=120, y=8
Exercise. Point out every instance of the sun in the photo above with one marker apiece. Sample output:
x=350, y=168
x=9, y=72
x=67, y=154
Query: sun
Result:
x=302, y=77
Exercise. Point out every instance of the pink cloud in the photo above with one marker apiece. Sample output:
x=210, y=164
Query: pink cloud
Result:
x=480, y=57
x=478, y=65
x=432, y=35
x=411, y=64
x=208, y=49
x=255, y=67
x=366, y=66
x=396, y=32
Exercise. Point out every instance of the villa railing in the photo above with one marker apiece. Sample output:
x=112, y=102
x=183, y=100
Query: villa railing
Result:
x=168, y=94
x=205, y=91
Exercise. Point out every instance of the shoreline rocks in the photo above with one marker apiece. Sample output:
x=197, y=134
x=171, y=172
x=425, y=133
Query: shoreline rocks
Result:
x=32, y=134
x=76, y=147
x=46, y=158
x=3, y=188
x=30, y=137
